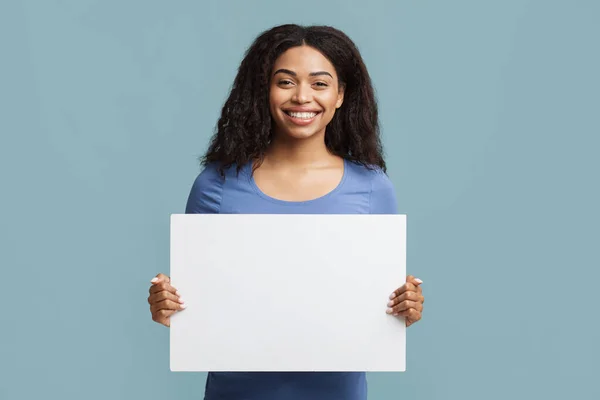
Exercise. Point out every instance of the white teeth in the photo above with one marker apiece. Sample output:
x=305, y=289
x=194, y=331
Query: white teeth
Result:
x=302, y=115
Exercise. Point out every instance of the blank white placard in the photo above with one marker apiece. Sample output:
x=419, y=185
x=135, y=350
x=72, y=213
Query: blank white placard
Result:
x=287, y=292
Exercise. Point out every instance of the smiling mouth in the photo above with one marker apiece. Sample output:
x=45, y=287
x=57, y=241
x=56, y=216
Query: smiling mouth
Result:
x=302, y=115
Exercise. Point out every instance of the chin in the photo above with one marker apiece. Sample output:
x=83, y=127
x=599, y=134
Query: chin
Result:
x=298, y=134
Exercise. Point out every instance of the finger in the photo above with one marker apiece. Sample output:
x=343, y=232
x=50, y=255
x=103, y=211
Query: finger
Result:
x=411, y=313
x=412, y=319
x=405, y=305
x=163, y=317
x=407, y=287
x=414, y=296
x=162, y=285
x=167, y=305
x=164, y=295
x=411, y=316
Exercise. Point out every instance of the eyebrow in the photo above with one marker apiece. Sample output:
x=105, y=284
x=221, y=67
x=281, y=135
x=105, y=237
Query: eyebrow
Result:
x=287, y=71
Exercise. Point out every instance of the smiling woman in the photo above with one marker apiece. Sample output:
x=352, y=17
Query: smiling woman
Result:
x=311, y=65
x=305, y=93
x=299, y=134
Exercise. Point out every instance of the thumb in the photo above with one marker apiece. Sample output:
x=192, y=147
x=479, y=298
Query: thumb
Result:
x=413, y=280
x=160, y=277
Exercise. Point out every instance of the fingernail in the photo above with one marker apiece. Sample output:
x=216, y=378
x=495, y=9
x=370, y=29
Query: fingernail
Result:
x=418, y=280
x=395, y=314
x=391, y=303
x=389, y=311
x=183, y=306
x=154, y=280
x=392, y=295
x=181, y=300
x=177, y=293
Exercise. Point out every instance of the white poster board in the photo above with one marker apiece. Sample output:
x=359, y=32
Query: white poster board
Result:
x=287, y=292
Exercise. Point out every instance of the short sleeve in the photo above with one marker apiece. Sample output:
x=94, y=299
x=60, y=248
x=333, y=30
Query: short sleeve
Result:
x=383, y=196
x=206, y=192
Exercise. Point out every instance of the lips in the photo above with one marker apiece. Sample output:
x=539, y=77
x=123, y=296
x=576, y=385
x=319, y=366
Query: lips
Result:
x=301, y=118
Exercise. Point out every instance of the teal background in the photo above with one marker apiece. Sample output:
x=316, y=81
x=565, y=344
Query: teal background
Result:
x=490, y=113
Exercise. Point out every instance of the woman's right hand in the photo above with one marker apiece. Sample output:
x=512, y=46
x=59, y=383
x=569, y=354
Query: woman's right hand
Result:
x=164, y=300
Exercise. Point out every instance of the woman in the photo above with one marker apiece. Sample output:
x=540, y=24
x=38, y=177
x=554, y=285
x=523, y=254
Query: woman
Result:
x=299, y=133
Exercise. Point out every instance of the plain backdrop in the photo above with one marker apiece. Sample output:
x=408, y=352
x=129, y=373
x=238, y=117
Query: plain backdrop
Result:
x=490, y=115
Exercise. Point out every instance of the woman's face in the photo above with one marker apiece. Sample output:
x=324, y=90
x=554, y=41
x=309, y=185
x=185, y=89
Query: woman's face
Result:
x=304, y=93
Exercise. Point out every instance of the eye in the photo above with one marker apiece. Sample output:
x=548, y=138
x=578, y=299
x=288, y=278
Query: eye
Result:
x=321, y=84
x=285, y=82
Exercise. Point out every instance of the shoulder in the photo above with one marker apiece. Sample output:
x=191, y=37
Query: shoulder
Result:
x=372, y=176
x=206, y=191
x=382, y=193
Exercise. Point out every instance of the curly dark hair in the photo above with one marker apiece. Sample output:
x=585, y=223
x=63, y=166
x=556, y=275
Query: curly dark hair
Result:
x=245, y=127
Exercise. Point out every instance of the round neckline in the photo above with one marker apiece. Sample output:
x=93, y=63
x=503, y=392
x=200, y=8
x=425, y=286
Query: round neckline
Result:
x=265, y=196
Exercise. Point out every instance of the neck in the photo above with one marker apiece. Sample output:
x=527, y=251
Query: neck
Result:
x=298, y=152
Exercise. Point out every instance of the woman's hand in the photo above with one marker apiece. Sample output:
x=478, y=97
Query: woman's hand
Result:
x=164, y=300
x=407, y=301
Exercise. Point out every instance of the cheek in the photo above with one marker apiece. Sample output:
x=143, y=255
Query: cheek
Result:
x=276, y=98
x=273, y=102
x=331, y=108
x=329, y=101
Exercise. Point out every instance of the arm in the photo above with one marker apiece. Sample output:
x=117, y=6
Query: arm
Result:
x=407, y=300
x=206, y=193
x=382, y=199
x=204, y=198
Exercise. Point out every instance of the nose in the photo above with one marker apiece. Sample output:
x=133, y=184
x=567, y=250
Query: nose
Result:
x=301, y=95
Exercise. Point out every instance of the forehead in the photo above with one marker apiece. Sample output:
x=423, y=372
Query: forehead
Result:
x=304, y=60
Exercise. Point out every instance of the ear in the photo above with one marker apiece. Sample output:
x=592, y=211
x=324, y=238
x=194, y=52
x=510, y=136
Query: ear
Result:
x=340, y=98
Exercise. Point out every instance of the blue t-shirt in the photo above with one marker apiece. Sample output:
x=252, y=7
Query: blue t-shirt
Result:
x=361, y=191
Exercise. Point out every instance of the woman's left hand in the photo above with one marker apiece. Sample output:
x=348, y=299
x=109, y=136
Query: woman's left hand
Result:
x=407, y=301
